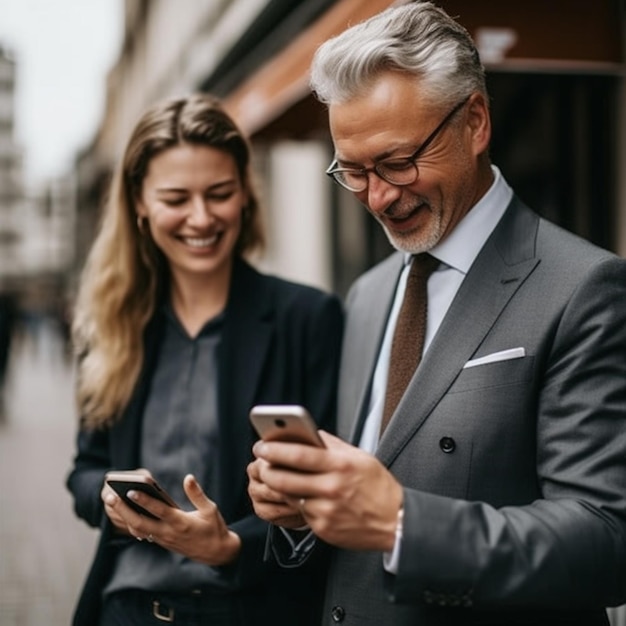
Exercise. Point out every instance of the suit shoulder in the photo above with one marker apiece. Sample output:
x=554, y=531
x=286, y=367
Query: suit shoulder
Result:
x=562, y=246
x=288, y=293
x=523, y=234
x=285, y=286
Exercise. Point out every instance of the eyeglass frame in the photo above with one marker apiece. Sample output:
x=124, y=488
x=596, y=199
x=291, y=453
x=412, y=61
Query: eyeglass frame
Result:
x=333, y=168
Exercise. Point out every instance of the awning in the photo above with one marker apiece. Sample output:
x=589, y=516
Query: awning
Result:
x=559, y=36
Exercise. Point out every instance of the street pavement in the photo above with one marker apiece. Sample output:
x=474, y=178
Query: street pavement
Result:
x=44, y=549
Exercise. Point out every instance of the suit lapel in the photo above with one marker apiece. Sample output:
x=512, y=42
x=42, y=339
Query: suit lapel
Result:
x=500, y=269
x=360, y=347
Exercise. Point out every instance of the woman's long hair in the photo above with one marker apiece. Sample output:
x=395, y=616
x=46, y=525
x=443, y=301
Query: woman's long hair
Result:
x=125, y=273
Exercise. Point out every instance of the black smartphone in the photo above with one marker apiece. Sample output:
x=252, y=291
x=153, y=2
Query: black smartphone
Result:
x=123, y=482
x=285, y=422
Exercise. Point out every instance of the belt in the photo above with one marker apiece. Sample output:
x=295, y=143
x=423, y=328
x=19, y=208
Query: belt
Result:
x=165, y=614
x=172, y=607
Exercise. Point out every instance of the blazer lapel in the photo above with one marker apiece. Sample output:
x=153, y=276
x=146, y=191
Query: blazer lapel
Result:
x=247, y=334
x=363, y=336
x=501, y=267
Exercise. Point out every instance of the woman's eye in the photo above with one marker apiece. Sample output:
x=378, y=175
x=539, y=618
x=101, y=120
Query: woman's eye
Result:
x=174, y=201
x=220, y=197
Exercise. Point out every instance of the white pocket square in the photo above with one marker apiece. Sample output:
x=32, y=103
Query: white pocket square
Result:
x=503, y=355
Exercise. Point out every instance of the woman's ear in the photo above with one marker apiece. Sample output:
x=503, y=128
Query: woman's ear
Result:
x=140, y=208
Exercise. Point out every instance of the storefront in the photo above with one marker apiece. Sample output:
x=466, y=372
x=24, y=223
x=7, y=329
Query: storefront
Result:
x=556, y=75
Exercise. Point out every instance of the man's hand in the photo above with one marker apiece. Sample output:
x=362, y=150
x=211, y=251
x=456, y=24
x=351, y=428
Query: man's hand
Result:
x=347, y=497
x=271, y=505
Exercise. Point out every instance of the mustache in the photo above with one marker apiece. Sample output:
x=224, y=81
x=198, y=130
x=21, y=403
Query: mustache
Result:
x=404, y=207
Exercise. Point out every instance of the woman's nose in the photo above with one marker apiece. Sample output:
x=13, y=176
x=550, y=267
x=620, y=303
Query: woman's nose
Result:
x=200, y=213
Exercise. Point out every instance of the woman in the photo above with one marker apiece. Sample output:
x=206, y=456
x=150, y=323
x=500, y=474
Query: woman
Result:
x=179, y=337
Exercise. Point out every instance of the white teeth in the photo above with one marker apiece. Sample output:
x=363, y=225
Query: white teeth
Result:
x=196, y=242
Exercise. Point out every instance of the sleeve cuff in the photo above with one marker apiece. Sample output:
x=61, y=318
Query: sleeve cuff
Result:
x=391, y=559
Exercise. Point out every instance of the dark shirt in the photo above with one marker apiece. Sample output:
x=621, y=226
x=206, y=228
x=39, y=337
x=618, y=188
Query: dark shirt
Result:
x=179, y=436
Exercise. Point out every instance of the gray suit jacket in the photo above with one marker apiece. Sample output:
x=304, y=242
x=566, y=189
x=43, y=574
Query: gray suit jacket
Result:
x=514, y=471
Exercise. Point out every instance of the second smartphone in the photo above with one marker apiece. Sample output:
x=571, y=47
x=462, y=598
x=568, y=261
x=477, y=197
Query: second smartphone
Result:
x=123, y=482
x=285, y=422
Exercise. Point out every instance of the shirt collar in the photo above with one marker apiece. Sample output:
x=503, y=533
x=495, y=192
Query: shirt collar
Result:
x=461, y=247
x=211, y=326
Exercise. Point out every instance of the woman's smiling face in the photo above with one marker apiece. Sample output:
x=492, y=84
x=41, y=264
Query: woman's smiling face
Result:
x=192, y=198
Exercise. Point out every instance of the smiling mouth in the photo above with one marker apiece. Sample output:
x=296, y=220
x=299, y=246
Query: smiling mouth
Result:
x=201, y=242
x=398, y=218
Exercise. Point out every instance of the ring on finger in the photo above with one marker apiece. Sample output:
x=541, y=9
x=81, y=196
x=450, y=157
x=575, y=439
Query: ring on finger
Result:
x=301, y=503
x=150, y=538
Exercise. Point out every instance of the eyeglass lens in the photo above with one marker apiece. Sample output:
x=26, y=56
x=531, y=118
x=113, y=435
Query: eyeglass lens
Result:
x=395, y=171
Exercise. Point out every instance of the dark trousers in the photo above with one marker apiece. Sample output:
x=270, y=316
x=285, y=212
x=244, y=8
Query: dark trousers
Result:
x=147, y=608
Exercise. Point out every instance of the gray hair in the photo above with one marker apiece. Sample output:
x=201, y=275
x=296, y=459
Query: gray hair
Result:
x=418, y=39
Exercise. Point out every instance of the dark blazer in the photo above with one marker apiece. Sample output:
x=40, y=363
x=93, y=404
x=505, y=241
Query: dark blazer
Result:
x=514, y=470
x=279, y=345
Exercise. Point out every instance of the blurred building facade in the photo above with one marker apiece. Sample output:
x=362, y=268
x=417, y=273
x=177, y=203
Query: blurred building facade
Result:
x=36, y=227
x=556, y=74
x=10, y=171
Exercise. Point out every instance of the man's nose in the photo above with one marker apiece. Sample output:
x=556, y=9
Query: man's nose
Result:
x=380, y=193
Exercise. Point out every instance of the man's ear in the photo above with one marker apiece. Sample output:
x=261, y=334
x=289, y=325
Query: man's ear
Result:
x=479, y=121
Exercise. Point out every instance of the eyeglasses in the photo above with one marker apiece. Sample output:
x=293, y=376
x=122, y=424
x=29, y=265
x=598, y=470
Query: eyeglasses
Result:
x=400, y=171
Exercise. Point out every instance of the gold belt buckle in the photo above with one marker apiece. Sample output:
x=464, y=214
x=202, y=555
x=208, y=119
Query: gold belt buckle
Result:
x=156, y=611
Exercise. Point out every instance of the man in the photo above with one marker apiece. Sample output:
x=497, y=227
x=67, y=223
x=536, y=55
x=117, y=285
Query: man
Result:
x=496, y=494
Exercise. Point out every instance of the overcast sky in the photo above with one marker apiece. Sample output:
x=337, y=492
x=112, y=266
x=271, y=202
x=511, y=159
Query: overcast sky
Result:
x=63, y=50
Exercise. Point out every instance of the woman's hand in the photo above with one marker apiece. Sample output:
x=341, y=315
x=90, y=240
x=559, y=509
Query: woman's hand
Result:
x=200, y=535
x=108, y=495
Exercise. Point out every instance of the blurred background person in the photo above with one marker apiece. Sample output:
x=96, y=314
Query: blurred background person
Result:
x=178, y=338
x=8, y=314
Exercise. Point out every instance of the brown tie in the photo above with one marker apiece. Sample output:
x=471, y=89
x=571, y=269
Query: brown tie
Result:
x=408, y=337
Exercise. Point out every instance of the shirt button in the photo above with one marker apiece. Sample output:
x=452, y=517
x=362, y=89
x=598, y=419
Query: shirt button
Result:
x=447, y=444
x=338, y=613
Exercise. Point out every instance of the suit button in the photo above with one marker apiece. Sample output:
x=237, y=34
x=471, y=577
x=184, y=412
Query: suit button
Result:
x=447, y=444
x=338, y=613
